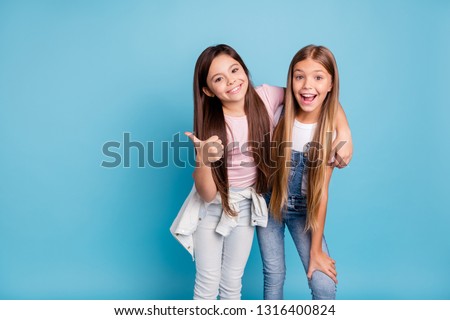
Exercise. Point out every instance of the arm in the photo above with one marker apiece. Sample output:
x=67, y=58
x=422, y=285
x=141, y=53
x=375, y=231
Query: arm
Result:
x=204, y=182
x=343, y=143
x=208, y=151
x=272, y=96
x=319, y=260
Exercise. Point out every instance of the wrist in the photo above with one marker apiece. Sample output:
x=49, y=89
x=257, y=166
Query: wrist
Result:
x=315, y=251
x=202, y=162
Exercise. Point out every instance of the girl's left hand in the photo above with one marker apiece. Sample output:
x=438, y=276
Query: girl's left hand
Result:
x=322, y=262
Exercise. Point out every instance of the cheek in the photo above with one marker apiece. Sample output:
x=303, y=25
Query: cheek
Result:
x=215, y=88
x=327, y=88
x=242, y=73
x=330, y=86
x=246, y=86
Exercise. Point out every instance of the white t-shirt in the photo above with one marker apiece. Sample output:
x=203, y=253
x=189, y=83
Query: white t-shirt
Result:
x=302, y=134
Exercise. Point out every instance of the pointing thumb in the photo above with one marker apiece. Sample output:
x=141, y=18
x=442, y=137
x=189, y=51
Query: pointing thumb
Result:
x=192, y=137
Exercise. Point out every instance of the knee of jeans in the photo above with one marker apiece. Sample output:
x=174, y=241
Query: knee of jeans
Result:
x=274, y=275
x=230, y=290
x=231, y=284
x=274, y=266
x=206, y=285
x=322, y=286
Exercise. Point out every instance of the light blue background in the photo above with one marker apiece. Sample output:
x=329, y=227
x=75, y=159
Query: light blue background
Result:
x=76, y=74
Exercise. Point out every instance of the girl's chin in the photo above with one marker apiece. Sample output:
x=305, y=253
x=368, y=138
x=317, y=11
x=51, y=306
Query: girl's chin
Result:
x=307, y=108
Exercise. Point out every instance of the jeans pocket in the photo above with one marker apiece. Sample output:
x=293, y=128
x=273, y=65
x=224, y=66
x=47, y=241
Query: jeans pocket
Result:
x=296, y=203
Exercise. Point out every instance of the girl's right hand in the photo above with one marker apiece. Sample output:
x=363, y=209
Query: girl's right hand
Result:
x=208, y=151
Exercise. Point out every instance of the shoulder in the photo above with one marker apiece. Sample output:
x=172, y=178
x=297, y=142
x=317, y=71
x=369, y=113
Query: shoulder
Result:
x=271, y=95
x=269, y=90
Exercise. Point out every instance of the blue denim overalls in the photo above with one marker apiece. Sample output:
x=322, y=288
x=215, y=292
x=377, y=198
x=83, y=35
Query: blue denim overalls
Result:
x=271, y=239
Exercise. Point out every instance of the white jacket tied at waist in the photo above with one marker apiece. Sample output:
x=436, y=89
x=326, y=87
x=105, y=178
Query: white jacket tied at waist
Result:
x=185, y=224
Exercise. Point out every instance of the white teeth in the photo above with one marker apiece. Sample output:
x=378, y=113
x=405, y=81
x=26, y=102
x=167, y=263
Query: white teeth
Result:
x=235, y=89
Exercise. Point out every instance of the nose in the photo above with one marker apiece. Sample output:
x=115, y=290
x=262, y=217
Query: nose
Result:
x=307, y=84
x=231, y=81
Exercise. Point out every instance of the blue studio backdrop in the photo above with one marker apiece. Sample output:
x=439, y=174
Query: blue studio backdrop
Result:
x=94, y=94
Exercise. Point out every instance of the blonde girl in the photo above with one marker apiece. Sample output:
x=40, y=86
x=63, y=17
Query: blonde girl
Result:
x=300, y=179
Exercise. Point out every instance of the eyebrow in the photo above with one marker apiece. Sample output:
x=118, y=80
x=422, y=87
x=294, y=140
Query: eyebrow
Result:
x=231, y=67
x=318, y=70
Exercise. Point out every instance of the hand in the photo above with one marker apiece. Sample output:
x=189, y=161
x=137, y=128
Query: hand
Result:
x=343, y=147
x=322, y=262
x=208, y=151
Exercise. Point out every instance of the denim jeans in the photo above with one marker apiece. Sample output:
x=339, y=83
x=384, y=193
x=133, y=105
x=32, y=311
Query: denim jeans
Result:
x=271, y=241
x=220, y=261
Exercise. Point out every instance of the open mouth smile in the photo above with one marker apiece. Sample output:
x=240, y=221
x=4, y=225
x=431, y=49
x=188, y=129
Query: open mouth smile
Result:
x=308, y=98
x=235, y=89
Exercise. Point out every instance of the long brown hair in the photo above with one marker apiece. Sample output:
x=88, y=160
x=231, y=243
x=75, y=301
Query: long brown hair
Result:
x=319, y=155
x=209, y=120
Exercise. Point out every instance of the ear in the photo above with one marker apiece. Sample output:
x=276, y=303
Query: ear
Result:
x=331, y=87
x=208, y=92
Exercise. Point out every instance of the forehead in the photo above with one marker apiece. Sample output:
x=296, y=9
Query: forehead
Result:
x=309, y=65
x=222, y=63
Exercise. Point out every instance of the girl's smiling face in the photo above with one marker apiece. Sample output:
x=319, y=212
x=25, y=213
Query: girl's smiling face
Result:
x=226, y=80
x=310, y=85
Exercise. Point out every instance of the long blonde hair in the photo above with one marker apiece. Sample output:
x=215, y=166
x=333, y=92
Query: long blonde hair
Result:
x=321, y=145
